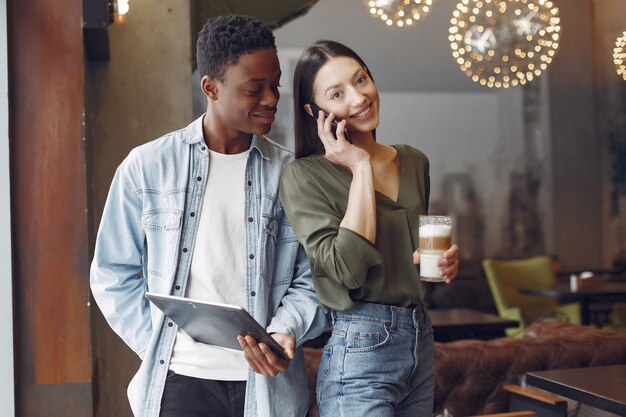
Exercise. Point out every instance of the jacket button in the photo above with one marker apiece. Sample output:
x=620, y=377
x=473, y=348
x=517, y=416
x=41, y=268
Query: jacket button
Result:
x=250, y=219
x=199, y=178
x=192, y=214
x=249, y=182
x=185, y=250
x=252, y=293
x=251, y=256
x=161, y=361
x=177, y=287
x=169, y=324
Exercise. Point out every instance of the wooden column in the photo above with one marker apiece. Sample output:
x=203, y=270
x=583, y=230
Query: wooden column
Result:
x=48, y=206
x=576, y=150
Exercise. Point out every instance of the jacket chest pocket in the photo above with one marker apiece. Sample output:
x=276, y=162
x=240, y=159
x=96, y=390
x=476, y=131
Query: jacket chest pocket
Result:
x=280, y=231
x=281, y=250
x=162, y=227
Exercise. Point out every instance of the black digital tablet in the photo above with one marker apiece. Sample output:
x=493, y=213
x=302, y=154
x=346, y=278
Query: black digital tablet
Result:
x=214, y=323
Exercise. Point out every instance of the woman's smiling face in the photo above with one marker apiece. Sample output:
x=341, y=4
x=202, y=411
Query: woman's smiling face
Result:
x=343, y=87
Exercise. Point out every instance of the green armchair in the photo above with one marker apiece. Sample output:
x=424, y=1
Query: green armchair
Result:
x=618, y=317
x=506, y=277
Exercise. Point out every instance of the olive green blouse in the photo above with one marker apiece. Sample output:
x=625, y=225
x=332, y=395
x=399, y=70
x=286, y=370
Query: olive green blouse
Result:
x=347, y=269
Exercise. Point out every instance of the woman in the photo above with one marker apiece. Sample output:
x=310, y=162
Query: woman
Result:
x=355, y=207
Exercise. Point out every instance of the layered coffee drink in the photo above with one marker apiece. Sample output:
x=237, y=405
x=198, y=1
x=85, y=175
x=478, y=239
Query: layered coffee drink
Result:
x=435, y=237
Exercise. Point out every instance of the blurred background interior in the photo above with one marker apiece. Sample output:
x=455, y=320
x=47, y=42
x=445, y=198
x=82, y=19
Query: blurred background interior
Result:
x=533, y=169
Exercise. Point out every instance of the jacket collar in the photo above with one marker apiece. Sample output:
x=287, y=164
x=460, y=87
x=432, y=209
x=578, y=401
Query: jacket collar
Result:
x=194, y=134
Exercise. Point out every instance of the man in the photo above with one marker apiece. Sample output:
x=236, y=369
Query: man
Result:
x=196, y=213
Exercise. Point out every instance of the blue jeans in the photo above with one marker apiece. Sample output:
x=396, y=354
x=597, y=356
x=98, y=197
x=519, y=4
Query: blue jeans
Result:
x=378, y=362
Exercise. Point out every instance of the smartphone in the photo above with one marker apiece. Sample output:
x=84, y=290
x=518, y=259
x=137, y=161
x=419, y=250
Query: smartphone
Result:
x=315, y=109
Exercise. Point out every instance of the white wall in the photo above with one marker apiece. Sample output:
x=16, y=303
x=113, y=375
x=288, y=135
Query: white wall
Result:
x=6, y=304
x=459, y=133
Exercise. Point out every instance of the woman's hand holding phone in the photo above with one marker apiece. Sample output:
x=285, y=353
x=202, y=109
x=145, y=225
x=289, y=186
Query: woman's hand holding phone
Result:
x=315, y=109
x=338, y=148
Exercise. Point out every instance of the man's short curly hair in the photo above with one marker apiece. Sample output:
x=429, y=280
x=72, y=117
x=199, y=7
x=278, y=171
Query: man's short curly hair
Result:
x=223, y=39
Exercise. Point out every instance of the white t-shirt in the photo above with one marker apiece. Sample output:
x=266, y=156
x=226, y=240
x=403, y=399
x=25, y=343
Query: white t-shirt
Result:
x=218, y=268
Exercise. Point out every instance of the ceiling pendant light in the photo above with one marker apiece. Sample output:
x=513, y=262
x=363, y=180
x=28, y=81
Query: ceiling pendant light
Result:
x=619, y=55
x=400, y=13
x=503, y=43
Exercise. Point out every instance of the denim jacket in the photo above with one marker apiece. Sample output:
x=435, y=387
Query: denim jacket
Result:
x=145, y=241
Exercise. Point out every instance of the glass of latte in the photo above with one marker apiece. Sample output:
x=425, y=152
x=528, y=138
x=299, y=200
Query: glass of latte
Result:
x=435, y=236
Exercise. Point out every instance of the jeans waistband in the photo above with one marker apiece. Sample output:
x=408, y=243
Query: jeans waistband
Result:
x=396, y=316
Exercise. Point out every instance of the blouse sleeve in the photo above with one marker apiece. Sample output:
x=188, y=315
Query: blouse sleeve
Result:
x=335, y=252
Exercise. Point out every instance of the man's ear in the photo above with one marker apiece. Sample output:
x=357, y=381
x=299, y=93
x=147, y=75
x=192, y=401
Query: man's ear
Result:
x=307, y=108
x=209, y=87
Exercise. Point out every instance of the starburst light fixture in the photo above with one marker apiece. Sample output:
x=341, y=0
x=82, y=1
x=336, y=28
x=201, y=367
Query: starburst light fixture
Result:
x=619, y=55
x=503, y=43
x=400, y=13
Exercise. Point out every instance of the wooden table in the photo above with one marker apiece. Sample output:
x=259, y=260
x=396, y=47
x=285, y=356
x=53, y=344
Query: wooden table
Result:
x=602, y=387
x=462, y=323
x=606, y=292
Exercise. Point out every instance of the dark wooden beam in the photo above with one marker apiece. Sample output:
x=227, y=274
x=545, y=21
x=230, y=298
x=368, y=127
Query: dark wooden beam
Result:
x=48, y=208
